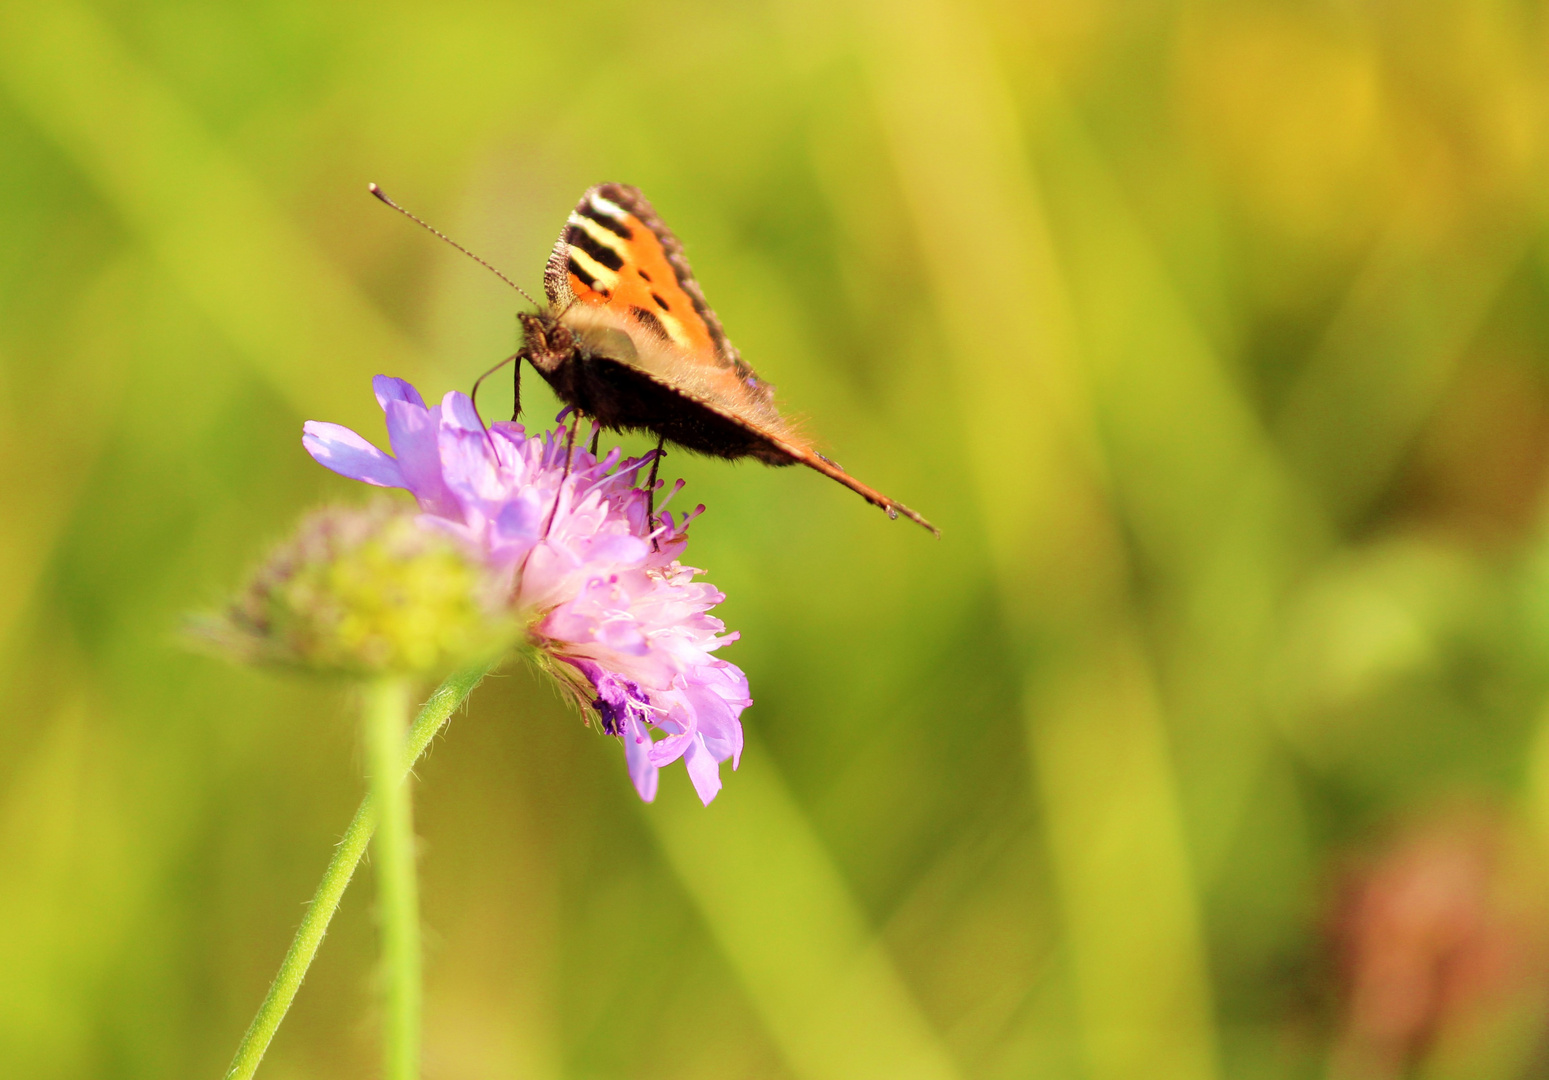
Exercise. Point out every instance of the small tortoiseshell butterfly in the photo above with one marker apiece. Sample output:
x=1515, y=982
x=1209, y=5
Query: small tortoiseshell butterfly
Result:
x=629, y=340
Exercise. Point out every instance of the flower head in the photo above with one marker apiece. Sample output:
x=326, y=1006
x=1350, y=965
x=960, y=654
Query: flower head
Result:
x=607, y=607
x=366, y=591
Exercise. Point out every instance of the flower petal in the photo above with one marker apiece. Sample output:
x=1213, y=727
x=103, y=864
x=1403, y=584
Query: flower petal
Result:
x=412, y=431
x=621, y=635
x=388, y=389
x=637, y=755
x=665, y=751
x=718, y=694
x=468, y=465
x=703, y=770
x=336, y=447
x=459, y=410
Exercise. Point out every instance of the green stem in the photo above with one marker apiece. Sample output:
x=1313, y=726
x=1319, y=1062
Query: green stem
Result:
x=386, y=722
x=314, y=924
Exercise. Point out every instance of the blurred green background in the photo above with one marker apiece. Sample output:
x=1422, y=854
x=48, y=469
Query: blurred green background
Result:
x=1209, y=742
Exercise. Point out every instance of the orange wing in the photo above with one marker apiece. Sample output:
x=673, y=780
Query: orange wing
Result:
x=616, y=265
x=615, y=252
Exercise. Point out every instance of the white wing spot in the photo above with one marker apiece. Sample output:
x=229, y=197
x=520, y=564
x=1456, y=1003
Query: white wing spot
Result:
x=609, y=207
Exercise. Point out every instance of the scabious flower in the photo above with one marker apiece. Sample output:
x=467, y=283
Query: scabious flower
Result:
x=607, y=608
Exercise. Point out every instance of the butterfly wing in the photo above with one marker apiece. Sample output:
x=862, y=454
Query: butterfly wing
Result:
x=617, y=273
x=616, y=252
x=617, y=264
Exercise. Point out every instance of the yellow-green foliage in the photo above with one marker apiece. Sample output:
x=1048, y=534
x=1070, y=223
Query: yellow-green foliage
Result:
x=1212, y=334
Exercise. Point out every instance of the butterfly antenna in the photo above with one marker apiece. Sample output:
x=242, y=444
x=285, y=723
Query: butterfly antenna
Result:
x=382, y=195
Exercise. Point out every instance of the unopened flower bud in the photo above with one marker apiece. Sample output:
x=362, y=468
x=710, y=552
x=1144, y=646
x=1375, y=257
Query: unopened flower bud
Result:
x=367, y=591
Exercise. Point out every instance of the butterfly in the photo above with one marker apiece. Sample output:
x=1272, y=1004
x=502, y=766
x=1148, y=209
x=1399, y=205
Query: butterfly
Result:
x=628, y=340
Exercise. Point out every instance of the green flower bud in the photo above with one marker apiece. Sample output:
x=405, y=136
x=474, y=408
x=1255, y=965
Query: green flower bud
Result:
x=367, y=591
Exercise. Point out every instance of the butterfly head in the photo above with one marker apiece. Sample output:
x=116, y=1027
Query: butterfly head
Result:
x=579, y=331
x=546, y=343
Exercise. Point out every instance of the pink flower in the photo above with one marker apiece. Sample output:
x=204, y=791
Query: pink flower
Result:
x=610, y=610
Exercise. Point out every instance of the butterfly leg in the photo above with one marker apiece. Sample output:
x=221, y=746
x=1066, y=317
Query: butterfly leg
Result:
x=650, y=491
x=596, y=434
x=516, y=390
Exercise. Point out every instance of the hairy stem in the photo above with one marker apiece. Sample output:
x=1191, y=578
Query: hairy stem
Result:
x=314, y=924
x=386, y=724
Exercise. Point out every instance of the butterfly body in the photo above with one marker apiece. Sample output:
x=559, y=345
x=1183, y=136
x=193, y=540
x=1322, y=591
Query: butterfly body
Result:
x=629, y=340
x=601, y=375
